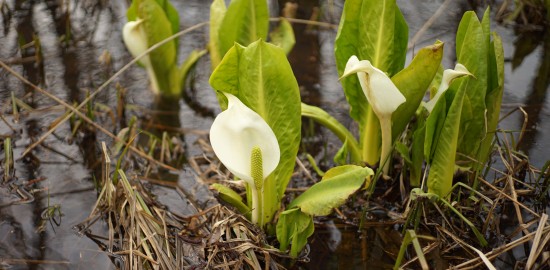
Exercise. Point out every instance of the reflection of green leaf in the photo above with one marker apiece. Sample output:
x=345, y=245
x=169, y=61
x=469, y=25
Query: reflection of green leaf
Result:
x=524, y=46
x=293, y=228
x=261, y=77
x=413, y=81
x=337, y=185
x=373, y=30
x=245, y=21
x=283, y=36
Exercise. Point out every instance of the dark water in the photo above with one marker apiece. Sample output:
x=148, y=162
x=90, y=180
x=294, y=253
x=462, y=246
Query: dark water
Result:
x=74, y=36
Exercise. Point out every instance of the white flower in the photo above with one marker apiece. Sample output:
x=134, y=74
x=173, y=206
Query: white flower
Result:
x=236, y=132
x=381, y=92
x=382, y=95
x=135, y=38
x=448, y=76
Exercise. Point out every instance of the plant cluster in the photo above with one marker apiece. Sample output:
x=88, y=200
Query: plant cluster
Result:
x=257, y=135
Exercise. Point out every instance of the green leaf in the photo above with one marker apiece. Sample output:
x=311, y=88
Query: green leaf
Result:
x=336, y=127
x=440, y=179
x=293, y=228
x=283, y=36
x=472, y=51
x=261, y=77
x=434, y=125
x=493, y=99
x=337, y=185
x=413, y=81
x=245, y=21
x=232, y=197
x=373, y=30
x=157, y=28
x=217, y=13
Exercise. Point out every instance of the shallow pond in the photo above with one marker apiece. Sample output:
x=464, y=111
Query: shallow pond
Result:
x=70, y=48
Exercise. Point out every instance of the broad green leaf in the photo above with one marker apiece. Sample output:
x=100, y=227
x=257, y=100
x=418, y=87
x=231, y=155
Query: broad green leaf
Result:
x=293, y=228
x=373, y=30
x=472, y=52
x=245, y=21
x=217, y=13
x=413, y=81
x=158, y=27
x=440, y=178
x=172, y=14
x=336, y=127
x=283, y=36
x=232, y=197
x=337, y=185
x=169, y=11
x=261, y=77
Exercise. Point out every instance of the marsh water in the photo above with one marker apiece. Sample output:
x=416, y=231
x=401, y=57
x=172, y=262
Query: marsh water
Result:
x=70, y=48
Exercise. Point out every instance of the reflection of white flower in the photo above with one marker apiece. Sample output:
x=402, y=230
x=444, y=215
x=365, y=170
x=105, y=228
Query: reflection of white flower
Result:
x=233, y=135
x=448, y=76
x=135, y=38
x=383, y=96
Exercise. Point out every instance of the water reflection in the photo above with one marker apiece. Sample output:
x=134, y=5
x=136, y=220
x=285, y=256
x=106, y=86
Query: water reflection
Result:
x=528, y=43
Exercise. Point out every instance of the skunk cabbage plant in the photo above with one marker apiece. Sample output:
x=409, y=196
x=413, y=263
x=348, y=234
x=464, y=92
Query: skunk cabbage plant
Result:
x=247, y=146
x=382, y=95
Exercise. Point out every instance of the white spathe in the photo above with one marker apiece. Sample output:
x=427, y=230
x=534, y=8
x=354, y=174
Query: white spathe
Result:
x=235, y=132
x=381, y=92
x=135, y=38
x=382, y=95
x=448, y=76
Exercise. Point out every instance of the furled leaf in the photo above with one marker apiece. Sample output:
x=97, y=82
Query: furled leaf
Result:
x=337, y=185
x=440, y=178
x=261, y=77
x=413, y=81
x=472, y=51
x=283, y=36
x=293, y=228
x=245, y=21
x=494, y=96
x=232, y=197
